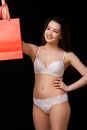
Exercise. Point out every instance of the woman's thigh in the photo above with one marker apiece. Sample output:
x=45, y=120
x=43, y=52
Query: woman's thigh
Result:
x=59, y=116
x=40, y=119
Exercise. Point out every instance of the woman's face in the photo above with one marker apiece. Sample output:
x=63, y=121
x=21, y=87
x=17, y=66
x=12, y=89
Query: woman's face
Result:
x=53, y=32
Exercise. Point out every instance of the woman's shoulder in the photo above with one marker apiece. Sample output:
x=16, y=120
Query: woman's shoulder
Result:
x=71, y=56
x=69, y=53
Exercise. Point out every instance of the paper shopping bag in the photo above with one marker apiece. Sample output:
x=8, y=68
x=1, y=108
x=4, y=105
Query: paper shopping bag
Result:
x=10, y=39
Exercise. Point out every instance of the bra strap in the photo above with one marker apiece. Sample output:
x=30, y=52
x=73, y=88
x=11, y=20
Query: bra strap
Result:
x=37, y=51
x=64, y=55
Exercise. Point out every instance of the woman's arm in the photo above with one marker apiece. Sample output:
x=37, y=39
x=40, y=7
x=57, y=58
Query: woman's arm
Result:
x=30, y=49
x=80, y=67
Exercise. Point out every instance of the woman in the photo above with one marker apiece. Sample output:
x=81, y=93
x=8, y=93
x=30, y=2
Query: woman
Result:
x=51, y=109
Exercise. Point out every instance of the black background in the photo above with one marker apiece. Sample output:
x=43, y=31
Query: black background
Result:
x=17, y=77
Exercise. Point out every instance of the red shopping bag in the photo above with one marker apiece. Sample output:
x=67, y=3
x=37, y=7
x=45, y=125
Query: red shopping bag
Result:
x=10, y=39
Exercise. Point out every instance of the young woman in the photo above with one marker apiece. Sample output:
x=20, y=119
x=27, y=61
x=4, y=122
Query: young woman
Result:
x=51, y=109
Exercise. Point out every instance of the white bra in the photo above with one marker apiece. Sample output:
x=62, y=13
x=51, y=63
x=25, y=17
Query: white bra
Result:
x=55, y=68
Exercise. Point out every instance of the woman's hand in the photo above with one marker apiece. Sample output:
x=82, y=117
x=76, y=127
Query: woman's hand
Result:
x=59, y=84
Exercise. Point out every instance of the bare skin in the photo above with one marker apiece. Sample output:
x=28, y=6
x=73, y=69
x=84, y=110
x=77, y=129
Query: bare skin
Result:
x=4, y=10
x=57, y=119
x=48, y=85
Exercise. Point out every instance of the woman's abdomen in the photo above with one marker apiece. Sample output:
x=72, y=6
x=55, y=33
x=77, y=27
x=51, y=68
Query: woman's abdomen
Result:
x=44, y=86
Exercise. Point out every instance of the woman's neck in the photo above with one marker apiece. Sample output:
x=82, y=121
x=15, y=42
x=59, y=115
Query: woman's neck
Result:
x=51, y=46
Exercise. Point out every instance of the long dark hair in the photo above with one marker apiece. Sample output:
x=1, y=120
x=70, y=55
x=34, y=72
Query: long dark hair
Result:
x=64, y=43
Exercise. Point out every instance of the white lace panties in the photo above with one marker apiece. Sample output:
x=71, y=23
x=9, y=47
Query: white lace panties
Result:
x=46, y=104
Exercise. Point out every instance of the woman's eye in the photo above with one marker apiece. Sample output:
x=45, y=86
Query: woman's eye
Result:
x=48, y=28
x=55, y=31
